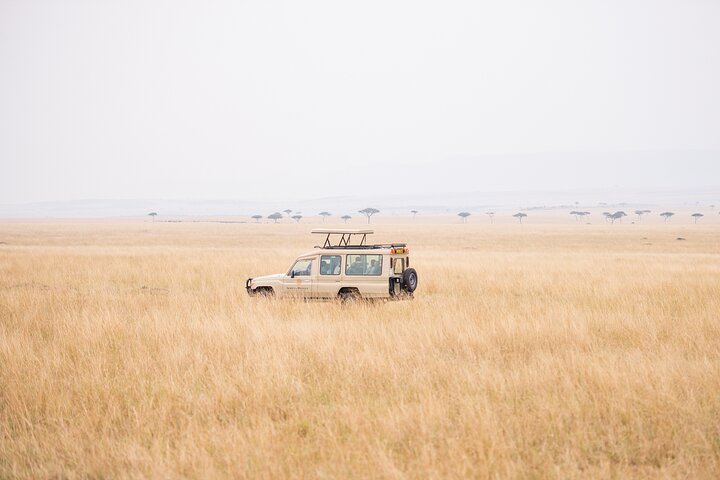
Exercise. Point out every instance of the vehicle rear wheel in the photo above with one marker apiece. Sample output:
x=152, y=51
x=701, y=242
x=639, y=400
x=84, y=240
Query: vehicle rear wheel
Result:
x=410, y=280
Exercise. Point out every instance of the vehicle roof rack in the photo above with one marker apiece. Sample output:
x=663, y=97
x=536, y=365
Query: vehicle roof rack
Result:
x=345, y=237
x=363, y=247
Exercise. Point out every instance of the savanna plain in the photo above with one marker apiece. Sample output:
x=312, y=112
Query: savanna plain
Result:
x=131, y=349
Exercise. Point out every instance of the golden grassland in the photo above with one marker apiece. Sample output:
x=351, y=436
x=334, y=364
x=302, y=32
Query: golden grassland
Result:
x=130, y=349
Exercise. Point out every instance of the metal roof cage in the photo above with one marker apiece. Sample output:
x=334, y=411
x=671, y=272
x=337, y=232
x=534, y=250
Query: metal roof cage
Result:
x=346, y=237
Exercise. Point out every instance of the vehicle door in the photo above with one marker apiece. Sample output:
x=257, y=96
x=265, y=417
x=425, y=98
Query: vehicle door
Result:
x=329, y=274
x=398, y=264
x=301, y=278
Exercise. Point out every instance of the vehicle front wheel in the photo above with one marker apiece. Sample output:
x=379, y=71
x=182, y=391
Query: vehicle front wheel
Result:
x=264, y=292
x=349, y=295
x=410, y=280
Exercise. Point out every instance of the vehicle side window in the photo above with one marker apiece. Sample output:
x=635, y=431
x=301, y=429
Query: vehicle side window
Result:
x=399, y=266
x=302, y=268
x=363, y=264
x=330, y=265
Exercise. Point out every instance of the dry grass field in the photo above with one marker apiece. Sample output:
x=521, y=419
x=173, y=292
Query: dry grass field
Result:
x=130, y=349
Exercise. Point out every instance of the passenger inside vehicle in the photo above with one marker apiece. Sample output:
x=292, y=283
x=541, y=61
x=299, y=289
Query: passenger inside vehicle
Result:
x=326, y=267
x=330, y=265
x=374, y=268
x=356, y=268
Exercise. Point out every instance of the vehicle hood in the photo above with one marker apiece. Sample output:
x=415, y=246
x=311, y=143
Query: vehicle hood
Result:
x=266, y=278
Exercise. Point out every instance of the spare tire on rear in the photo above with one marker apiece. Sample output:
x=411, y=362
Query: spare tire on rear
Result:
x=410, y=280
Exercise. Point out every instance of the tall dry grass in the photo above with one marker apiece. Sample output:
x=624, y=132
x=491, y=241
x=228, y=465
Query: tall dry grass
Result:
x=131, y=350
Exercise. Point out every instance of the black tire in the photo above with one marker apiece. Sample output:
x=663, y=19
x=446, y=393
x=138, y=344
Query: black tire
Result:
x=349, y=295
x=410, y=280
x=264, y=292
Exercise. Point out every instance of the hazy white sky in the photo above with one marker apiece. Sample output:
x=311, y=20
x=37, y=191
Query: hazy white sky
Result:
x=236, y=99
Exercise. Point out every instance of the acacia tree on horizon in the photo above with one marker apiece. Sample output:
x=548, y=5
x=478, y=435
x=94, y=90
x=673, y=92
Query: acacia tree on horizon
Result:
x=520, y=216
x=667, y=215
x=697, y=216
x=275, y=216
x=296, y=218
x=288, y=212
x=324, y=214
x=346, y=218
x=257, y=218
x=153, y=215
x=414, y=212
x=579, y=214
x=491, y=215
x=369, y=212
x=640, y=213
x=617, y=216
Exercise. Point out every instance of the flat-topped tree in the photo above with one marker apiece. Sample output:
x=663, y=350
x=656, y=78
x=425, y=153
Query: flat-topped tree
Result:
x=324, y=214
x=369, y=212
x=464, y=216
x=697, y=216
x=287, y=212
x=153, y=215
x=617, y=216
x=667, y=215
x=640, y=213
x=414, y=212
x=520, y=216
x=257, y=218
x=346, y=218
x=275, y=216
x=491, y=215
x=296, y=218
x=579, y=215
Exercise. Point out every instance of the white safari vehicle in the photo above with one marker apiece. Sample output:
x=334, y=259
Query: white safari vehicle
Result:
x=345, y=267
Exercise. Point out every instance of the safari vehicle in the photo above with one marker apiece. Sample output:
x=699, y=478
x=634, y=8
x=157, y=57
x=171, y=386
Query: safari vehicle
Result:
x=345, y=267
